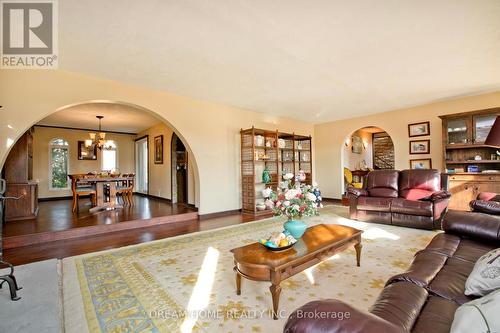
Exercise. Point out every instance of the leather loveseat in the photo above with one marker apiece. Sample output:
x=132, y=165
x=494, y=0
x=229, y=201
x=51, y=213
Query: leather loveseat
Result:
x=409, y=198
x=425, y=297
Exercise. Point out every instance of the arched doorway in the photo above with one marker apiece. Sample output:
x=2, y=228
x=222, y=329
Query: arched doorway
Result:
x=368, y=148
x=179, y=157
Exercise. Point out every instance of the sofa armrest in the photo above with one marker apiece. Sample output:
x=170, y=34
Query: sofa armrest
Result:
x=475, y=225
x=356, y=192
x=334, y=316
x=483, y=206
x=438, y=196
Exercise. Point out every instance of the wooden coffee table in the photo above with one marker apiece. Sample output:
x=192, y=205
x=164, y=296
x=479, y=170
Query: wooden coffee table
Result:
x=256, y=262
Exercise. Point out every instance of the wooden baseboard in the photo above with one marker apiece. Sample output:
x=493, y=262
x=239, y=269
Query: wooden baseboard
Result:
x=332, y=200
x=219, y=214
x=69, y=197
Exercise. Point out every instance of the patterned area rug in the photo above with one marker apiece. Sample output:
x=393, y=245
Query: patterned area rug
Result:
x=187, y=283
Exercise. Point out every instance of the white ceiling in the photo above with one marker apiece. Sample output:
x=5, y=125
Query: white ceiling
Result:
x=117, y=117
x=317, y=60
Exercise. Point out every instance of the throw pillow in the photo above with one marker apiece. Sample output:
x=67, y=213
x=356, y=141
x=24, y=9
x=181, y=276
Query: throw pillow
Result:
x=485, y=276
x=478, y=316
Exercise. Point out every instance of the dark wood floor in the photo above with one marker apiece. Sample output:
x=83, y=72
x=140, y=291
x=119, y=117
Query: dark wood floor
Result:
x=67, y=248
x=57, y=215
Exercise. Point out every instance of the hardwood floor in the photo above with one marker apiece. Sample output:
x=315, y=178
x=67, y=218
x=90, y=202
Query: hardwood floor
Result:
x=67, y=248
x=57, y=215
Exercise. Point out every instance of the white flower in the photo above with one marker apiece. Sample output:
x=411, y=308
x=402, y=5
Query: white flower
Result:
x=311, y=196
x=266, y=193
x=290, y=194
x=288, y=176
x=296, y=207
x=286, y=203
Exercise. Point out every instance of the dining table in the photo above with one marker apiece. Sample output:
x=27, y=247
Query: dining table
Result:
x=100, y=182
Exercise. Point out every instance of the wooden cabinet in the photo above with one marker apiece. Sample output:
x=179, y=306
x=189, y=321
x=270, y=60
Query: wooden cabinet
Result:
x=276, y=152
x=465, y=187
x=18, y=172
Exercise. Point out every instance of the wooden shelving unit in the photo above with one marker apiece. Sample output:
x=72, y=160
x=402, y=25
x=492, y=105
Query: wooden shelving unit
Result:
x=280, y=153
x=463, y=139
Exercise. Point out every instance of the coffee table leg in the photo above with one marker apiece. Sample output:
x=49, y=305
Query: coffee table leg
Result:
x=275, y=292
x=238, y=282
x=358, y=248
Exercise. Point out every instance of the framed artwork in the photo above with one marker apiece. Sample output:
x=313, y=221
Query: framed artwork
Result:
x=158, y=144
x=419, y=129
x=424, y=163
x=86, y=153
x=420, y=147
x=357, y=145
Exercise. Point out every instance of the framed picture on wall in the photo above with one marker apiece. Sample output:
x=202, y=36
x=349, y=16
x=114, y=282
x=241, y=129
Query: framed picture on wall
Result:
x=424, y=163
x=419, y=129
x=158, y=144
x=86, y=153
x=357, y=145
x=420, y=147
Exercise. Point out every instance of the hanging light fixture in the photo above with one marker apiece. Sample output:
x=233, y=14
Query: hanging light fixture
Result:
x=97, y=139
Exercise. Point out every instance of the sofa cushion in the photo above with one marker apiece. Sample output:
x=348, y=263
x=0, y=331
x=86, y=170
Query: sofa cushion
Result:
x=485, y=276
x=409, y=207
x=400, y=303
x=383, y=183
x=478, y=226
x=418, y=184
x=489, y=207
x=424, y=267
x=444, y=243
x=374, y=204
x=471, y=251
x=449, y=283
x=436, y=316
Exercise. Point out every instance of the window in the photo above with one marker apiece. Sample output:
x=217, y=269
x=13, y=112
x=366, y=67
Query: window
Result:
x=109, y=156
x=58, y=164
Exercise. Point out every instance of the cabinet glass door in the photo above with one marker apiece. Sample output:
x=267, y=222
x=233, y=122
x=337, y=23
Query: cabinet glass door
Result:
x=458, y=130
x=482, y=126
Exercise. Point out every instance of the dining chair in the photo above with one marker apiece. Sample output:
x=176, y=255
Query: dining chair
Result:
x=81, y=187
x=125, y=188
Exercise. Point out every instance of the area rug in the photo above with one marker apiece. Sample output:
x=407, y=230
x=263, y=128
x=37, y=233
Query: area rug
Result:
x=187, y=283
x=39, y=309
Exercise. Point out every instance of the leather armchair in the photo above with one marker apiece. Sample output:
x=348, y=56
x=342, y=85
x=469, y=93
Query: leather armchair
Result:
x=410, y=198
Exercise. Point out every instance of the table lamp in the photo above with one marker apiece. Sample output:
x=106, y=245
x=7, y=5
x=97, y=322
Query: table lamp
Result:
x=493, y=138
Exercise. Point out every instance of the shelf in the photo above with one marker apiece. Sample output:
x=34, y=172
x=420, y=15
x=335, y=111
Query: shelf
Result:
x=467, y=146
x=474, y=162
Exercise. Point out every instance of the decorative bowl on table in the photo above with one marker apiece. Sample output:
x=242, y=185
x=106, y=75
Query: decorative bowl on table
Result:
x=278, y=241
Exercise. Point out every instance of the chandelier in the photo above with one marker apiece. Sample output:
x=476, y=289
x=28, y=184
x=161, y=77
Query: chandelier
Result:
x=97, y=139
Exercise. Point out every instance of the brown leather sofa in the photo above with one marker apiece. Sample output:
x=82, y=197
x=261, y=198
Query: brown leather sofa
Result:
x=408, y=198
x=425, y=297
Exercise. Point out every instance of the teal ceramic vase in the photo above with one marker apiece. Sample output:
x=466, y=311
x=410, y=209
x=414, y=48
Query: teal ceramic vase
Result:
x=295, y=228
x=266, y=176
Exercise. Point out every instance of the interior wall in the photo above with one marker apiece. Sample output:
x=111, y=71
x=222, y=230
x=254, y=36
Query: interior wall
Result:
x=352, y=160
x=41, y=139
x=160, y=175
x=330, y=136
x=209, y=130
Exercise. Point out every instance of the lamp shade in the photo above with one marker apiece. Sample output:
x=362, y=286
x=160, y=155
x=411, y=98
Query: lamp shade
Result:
x=493, y=138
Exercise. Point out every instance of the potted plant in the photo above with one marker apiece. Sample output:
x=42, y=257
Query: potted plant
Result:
x=295, y=203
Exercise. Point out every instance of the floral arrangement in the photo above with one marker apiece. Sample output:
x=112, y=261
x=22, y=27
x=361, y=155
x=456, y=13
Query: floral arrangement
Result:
x=299, y=201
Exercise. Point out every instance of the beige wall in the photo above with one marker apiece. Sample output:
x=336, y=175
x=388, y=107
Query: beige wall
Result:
x=352, y=160
x=329, y=137
x=160, y=175
x=41, y=139
x=210, y=130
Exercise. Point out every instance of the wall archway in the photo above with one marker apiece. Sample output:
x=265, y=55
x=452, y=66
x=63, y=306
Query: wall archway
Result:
x=155, y=114
x=367, y=148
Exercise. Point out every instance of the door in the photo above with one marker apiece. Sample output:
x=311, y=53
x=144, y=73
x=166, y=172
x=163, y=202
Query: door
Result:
x=482, y=126
x=179, y=171
x=459, y=130
x=141, y=165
